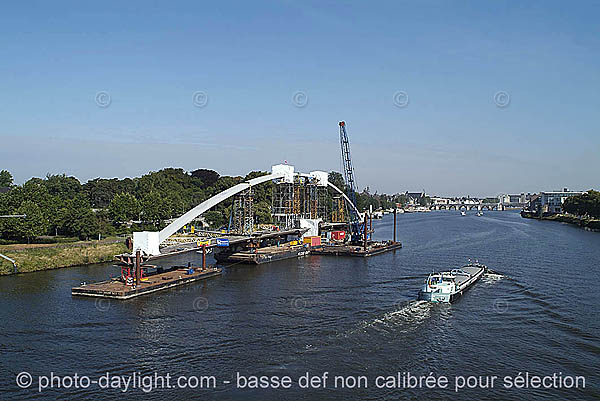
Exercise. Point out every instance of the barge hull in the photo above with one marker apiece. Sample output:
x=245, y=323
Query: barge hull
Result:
x=263, y=255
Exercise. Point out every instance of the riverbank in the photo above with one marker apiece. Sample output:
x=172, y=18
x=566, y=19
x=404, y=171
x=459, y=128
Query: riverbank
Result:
x=36, y=257
x=586, y=223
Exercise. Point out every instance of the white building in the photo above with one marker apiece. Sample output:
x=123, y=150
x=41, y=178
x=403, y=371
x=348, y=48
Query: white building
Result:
x=440, y=201
x=552, y=201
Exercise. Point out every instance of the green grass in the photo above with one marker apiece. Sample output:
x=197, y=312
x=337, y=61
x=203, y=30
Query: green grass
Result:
x=30, y=259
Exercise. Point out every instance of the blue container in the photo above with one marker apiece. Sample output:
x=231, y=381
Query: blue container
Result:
x=222, y=241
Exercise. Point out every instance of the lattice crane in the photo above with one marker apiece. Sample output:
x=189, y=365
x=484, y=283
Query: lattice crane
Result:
x=355, y=223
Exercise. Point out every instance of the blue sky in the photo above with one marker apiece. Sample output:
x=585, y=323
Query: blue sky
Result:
x=349, y=58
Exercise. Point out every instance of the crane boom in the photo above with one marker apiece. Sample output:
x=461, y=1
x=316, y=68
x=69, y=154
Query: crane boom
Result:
x=355, y=223
x=347, y=161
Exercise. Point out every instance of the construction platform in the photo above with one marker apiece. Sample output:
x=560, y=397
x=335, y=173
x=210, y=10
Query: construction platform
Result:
x=117, y=289
x=263, y=255
x=373, y=248
x=237, y=241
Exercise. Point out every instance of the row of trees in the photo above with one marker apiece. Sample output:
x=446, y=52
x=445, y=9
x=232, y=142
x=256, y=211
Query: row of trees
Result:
x=587, y=204
x=61, y=205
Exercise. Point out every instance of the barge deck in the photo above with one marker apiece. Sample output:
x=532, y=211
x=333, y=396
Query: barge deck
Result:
x=263, y=255
x=356, y=250
x=117, y=289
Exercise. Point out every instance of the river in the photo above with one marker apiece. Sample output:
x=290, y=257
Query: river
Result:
x=349, y=317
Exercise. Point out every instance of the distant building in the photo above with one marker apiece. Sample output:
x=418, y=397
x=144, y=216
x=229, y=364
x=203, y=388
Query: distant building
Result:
x=4, y=190
x=414, y=198
x=515, y=200
x=550, y=202
x=470, y=201
x=534, y=203
x=440, y=201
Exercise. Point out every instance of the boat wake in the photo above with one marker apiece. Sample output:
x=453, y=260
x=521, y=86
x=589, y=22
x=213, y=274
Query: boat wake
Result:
x=491, y=276
x=408, y=316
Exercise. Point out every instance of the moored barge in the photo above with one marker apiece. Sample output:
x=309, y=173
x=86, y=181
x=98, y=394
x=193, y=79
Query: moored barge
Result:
x=259, y=256
x=372, y=248
x=118, y=289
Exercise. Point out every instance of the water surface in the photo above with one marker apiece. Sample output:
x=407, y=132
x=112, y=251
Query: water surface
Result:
x=347, y=316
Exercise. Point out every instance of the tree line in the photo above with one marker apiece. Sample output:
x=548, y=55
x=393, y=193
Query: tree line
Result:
x=60, y=205
x=586, y=204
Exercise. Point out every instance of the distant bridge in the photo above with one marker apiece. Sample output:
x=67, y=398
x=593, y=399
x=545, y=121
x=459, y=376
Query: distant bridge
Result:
x=468, y=206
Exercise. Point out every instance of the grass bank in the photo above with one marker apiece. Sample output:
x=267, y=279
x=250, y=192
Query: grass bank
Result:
x=588, y=223
x=35, y=257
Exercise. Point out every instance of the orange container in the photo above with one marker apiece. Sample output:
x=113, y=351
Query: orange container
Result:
x=312, y=241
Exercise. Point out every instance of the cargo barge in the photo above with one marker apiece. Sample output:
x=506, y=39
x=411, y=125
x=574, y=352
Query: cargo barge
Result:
x=372, y=248
x=448, y=286
x=259, y=256
x=118, y=289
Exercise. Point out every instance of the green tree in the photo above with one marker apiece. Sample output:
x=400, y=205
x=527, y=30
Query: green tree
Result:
x=262, y=212
x=33, y=224
x=62, y=186
x=6, y=178
x=101, y=191
x=124, y=207
x=77, y=217
x=207, y=178
x=155, y=208
x=402, y=199
x=215, y=219
x=586, y=204
x=88, y=225
x=176, y=204
x=104, y=224
x=337, y=179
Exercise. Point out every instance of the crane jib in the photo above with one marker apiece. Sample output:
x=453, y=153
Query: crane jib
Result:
x=349, y=179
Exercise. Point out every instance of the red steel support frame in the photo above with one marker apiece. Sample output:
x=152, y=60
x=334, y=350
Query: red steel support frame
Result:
x=138, y=268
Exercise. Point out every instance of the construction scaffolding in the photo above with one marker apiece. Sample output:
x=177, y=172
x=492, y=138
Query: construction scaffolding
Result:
x=282, y=208
x=302, y=199
x=243, y=213
x=338, y=210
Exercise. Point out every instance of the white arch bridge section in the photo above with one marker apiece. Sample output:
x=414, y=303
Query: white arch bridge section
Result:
x=149, y=241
